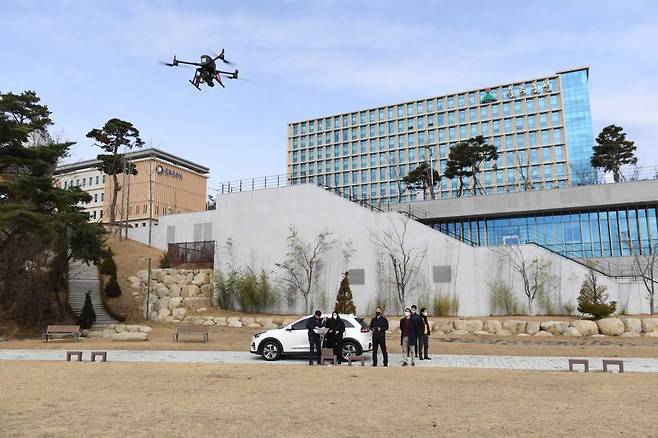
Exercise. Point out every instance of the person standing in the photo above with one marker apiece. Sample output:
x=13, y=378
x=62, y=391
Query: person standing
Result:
x=423, y=336
x=336, y=328
x=379, y=326
x=419, y=323
x=408, y=337
x=312, y=324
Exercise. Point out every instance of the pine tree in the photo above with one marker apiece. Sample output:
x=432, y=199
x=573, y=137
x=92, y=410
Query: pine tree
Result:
x=612, y=151
x=344, y=303
x=108, y=265
x=592, y=298
x=87, y=316
x=112, y=288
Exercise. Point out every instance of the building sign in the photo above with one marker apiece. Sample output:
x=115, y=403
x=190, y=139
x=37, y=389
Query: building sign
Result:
x=546, y=88
x=169, y=172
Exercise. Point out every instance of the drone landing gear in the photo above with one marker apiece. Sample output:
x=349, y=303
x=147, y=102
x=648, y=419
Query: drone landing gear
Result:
x=195, y=85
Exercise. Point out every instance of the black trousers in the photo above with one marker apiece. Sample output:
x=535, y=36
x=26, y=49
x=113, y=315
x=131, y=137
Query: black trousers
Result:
x=314, y=348
x=423, y=344
x=379, y=340
x=335, y=342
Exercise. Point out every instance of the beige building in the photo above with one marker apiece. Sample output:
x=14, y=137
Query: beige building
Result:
x=164, y=184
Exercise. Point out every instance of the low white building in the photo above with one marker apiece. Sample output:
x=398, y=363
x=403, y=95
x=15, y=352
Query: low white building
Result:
x=250, y=229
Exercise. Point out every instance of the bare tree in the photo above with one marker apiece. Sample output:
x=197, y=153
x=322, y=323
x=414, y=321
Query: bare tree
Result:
x=645, y=267
x=404, y=260
x=533, y=272
x=526, y=170
x=583, y=174
x=304, y=262
x=399, y=180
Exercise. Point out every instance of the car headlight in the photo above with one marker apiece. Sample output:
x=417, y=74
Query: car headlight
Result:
x=258, y=334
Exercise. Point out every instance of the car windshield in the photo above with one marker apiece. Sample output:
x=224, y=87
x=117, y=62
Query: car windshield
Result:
x=363, y=323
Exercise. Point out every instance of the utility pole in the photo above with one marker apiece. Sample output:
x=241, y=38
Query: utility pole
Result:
x=148, y=292
x=128, y=168
x=150, y=197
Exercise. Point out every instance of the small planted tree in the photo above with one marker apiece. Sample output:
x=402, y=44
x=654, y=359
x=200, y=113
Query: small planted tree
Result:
x=593, y=297
x=87, y=316
x=108, y=265
x=344, y=303
x=112, y=288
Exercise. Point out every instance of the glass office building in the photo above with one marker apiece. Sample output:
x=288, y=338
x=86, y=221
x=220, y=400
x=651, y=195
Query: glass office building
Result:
x=541, y=128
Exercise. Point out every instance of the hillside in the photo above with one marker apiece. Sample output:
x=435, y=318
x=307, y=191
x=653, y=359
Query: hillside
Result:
x=130, y=257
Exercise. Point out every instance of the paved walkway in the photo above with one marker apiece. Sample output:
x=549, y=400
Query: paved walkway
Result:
x=537, y=363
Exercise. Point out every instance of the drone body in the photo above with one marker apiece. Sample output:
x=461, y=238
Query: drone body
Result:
x=207, y=71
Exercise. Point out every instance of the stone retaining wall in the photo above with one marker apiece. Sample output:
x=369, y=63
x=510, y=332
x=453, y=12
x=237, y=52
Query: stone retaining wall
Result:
x=119, y=332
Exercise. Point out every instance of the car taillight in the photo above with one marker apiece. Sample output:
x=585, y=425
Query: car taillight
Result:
x=365, y=329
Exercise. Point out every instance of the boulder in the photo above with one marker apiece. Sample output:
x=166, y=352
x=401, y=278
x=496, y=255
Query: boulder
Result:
x=469, y=325
x=194, y=304
x=572, y=331
x=633, y=325
x=119, y=328
x=145, y=328
x=134, y=279
x=515, y=327
x=543, y=334
x=532, y=327
x=554, y=327
x=460, y=332
x=630, y=335
x=219, y=319
x=206, y=290
x=175, y=302
x=482, y=333
x=168, y=279
x=598, y=335
x=161, y=290
x=523, y=334
x=163, y=303
x=191, y=291
x=108, y=333
x=143, y=275
x=231, y=319
x=441, y=325
x=221, y=323
x=653, y=334
x=503, y=332
x=95, y=334
x=585, y=327
x=611, y=326
x=492, y=325
x=130, y=336
x=254, y=325
x=208, y=322
x=175, y=290
x=164, y=312
x=200, y=278
x=179, y=313
x=132, y=328
x=269, y=325
x=246, y=320
x=201, y=309
x=235, y=324
x=649, y=325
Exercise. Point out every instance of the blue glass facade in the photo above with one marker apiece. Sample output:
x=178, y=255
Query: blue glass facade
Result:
x=614, y=232
x=578, y=122
x=532, y=123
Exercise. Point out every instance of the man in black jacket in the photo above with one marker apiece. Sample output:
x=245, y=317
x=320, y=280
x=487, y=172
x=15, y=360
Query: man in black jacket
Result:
x=312, y=324
x=379, y=326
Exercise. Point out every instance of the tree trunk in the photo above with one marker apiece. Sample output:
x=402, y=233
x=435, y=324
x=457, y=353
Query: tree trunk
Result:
x=113, y=203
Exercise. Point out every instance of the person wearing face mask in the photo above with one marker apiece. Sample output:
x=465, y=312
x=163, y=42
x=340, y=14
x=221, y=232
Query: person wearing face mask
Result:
x=312, y=324
x=379, y=326
x=408, y=337
x=423, y=336
x=336, y=328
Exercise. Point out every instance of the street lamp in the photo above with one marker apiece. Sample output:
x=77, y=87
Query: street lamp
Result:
x=148, y=289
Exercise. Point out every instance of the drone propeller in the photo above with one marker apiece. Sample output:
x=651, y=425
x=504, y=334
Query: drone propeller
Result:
x=220, y=57
x=170, y=64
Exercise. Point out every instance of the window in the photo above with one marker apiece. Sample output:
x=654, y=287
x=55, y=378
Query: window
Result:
x=103, y=179
x=460, y=100
x=303, y=128
x=97, y=179
x=300, y=325
x=451, y=102
x=557, y=135
x=102, y=196
x=95, y=197
x=419, y=107
x=430, y=106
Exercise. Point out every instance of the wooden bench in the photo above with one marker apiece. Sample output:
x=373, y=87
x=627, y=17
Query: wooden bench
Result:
x=78, y=354
x=188, y=329
x=101, y=354
x=607, y=362
x=351, y=359
x=62, y=330
x=328, y=354
x=584, y=362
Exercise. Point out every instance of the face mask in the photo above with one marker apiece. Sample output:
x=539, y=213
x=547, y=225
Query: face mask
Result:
x=407, y=313
x=378, y=313
x=334, y=316
x=424, y=313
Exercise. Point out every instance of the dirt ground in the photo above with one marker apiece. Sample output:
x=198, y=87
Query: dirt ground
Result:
x=57, y=399
x=238, y=339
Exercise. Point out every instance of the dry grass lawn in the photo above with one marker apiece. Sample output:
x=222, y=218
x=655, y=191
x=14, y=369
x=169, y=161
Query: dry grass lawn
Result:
x=57, y=399
x=237, y=339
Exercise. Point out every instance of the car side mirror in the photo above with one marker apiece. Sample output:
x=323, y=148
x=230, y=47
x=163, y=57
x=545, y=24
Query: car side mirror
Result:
x=288, y=329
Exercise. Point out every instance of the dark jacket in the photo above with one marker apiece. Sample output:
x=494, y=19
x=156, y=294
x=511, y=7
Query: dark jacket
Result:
x=410, y=328
x=423, y=325
x=379, y=326
x=312, y=323
x=335, y=325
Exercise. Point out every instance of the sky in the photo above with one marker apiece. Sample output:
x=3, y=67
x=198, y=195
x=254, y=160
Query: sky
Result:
x=90, y=61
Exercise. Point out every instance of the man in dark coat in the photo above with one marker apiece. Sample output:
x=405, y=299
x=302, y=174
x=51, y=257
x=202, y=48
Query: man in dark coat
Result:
x=416, y=317
x=408, y=337
x=336, y=328
x=423, y=336
x=312, y=324
x=379, y=326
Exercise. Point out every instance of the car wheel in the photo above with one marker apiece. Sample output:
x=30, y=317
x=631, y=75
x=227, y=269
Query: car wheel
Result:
x=350, y=348
x=270, y=351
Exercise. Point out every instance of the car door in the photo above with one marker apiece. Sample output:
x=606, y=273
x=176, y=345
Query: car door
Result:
x=296, y=337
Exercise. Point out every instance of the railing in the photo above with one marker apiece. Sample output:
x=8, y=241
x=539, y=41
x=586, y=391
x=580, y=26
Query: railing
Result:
x=249, y=184
x=193, y=254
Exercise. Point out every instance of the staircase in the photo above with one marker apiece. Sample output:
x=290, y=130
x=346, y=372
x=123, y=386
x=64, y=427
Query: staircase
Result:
x=83, y=278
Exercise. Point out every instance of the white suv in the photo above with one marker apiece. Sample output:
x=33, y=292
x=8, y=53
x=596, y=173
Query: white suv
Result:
x=292, y=340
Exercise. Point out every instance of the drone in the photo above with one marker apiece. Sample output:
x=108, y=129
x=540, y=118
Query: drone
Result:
x=207, y=71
